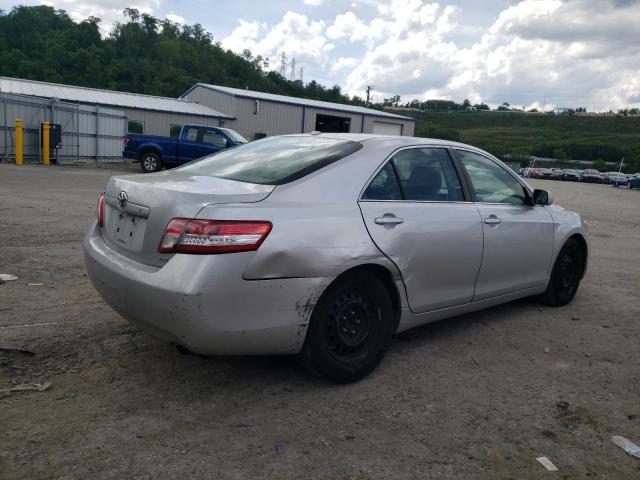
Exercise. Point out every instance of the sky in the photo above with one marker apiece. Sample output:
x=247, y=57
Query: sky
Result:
x=530, y=53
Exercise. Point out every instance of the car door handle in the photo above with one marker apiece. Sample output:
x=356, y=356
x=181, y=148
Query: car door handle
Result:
x=388, y=219
x=492, y=220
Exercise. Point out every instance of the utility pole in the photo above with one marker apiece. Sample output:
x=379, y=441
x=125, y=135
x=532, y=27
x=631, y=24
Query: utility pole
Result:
x=621, y=163
x=369, y=88
x=283, y=64
x=292, y=72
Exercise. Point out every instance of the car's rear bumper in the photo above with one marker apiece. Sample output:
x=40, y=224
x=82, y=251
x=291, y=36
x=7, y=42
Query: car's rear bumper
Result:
x=202, y=302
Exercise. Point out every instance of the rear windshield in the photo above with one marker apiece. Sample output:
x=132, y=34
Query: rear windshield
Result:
x=273, y=161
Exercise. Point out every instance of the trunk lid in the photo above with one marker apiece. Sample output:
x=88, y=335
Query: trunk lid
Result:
x=138, y=207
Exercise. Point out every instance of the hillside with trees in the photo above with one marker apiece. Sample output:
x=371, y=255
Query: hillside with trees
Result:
x=603, y=139
x=144, y=54
x=154, y=56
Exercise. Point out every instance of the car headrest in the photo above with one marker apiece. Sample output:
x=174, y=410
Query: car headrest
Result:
x=424, y=181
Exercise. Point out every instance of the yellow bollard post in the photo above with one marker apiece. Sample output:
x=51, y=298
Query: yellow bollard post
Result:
x=19, y=151
x=45, y=143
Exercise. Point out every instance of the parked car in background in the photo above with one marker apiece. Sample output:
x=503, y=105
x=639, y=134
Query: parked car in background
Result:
x=634, y=182
x=546, y=173
x=195, y=141
x=615, y=178
x=325, y=245
x=570, y=175
x=592, y=176
x=557, y=173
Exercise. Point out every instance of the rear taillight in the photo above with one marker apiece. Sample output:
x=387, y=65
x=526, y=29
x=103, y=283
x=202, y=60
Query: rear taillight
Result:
x=183, y=235
x=125, y=142
x=100, y=210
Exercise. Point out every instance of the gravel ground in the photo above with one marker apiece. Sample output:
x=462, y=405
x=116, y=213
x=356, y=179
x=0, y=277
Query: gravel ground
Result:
x=475, y=397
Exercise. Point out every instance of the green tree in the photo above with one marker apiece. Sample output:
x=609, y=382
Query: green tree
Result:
x=560, y=154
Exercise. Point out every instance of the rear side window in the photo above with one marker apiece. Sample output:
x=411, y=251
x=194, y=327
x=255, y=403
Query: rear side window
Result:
x=191, y=134
x=423, y=174
x=428, y=174
x=384, y=186
x=273, y=161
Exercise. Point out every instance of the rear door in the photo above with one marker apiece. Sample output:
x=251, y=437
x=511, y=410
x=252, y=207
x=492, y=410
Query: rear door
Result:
x=518, y=236
x=419, y=215
x=188, y=146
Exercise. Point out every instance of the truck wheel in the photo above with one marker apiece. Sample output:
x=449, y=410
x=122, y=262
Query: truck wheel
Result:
x=150, y=162
x=350, y=328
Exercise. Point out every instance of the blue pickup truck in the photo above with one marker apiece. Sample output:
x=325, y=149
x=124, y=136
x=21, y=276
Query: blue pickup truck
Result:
x=195, y=141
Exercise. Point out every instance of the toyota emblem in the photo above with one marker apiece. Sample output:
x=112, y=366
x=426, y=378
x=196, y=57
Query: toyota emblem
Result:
x=122, y=200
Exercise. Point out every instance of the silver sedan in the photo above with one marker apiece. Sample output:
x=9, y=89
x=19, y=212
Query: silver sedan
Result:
x=325, y=245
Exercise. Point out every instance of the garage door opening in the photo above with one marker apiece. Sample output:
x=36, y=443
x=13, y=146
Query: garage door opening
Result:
x=331, y=124
x=386, y=128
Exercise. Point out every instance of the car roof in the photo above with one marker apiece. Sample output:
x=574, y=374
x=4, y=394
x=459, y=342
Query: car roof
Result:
x=374, y=137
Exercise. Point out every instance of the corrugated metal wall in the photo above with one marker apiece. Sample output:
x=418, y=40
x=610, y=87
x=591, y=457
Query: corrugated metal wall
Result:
x=88, y=132
x=280, y=118
x=225, y=103
x=265, y=118
x=159, y=123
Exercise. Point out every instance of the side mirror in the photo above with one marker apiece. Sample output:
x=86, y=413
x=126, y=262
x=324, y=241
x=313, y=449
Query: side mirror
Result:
x=542, y=197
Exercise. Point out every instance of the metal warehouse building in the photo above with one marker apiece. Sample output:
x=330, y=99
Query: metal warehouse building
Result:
x=258, y=114
x=93, y=122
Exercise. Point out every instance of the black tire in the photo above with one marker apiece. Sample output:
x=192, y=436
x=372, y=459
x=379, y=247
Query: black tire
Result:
x=150, y=162
x=565, y=276
x=350, y=328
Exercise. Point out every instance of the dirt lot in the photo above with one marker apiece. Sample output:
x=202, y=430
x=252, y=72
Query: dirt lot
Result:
x=475, y=397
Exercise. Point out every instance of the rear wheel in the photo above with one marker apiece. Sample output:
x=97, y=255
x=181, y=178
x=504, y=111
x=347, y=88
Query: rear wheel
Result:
x=566, y=275
x=150, y=162
x=350, y=328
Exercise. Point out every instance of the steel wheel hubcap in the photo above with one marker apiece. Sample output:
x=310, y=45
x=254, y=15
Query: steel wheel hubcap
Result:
x=149, y=163
x=349, y=323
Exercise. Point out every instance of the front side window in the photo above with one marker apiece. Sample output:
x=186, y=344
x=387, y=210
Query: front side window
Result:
x=135, y=126
x=274, y=160
x=491, y=182
x=214, y=137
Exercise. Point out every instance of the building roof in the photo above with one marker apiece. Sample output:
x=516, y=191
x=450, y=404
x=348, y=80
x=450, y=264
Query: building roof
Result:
x=93, y=96
x=272, y=97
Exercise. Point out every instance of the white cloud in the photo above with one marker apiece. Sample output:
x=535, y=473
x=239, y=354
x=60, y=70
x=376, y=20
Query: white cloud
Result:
x=343, y=63
x=296, y=35
x=581, y=52
x=108, y=11
x=571, y=52
x=172, y=17
x=244, y=36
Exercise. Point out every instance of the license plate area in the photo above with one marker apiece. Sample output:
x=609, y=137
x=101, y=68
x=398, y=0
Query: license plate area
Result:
x=128, y=231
